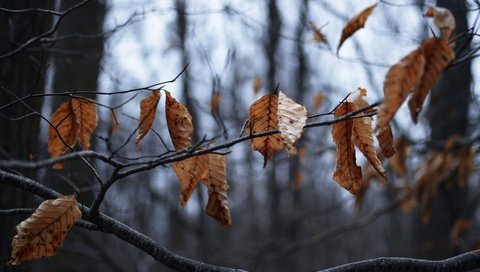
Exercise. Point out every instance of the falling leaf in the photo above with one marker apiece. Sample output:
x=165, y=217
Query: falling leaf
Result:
x=215, y=102
x=85, y=111
x=264, y=117
x=438, y=54
x=355, y=23
x=399, y=82
x=148, y=110
x=398, y=161
x=257, y=84
x=292, y=117
x=63, y=133
x=385, y=140
x=443, y=19
x=363, y=132
x=179, y=122
x=347, y=173
x=189, y=172
x=217, y=205
x=317, y=101
x=43, y=232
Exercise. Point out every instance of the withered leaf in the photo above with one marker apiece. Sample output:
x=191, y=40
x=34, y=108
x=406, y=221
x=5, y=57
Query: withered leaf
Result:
x=85, y=111
x=148, y=111
x=217, y=205
x=443, y=19
x=354, y=24
x=189, y=173
x=385, y=140
x=215, y=102
x=292, y=117
x=43, y=232
x=63, y=122
x=179, y=122
x=347, y=173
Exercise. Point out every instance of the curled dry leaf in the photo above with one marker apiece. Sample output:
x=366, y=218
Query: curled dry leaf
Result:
x=179, y=122
x=443, y=19
x=148, y=111
x=399, y=82
x=354, y=24
x=264, y=117
x=85, y=111
x=217, y=205
x=438, y=54
x=43, y=232
x=292, y=117
x=189, y=172
x=347, y=173
x=385, y=140
x=63, y=134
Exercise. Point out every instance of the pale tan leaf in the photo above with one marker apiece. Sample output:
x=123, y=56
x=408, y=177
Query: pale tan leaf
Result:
x=63, y=121
x=263, y=117
x=399, y=82
x=385, y=140
x=292, y=117
x=148, y=111
x=87, y=119
x=347, y=173
x=257, y=84
x=355, y=23
x=43, y=232
x=217, y=205
x=398, y=161
x=438, y=54
x=189, y=172
x=179, y=122
x=443, y=19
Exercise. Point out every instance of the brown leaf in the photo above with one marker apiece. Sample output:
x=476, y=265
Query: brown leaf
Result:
x=438, y=54
x=318, y=36
x=347, y=173
x=355, y=23
x=444, y=20
x=43, y=232
x=179, y=122
x=63, y=121
x=385, y=139
x=86, y=116
x=217, y=205
x=317, y=101
x=148, y=111
x=215, y=102
x=189, y=172
x=292, y=117
x=398, y=161
x=264, y=117
x=399, y=82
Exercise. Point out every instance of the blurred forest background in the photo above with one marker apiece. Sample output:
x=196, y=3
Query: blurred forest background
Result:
x=290, y=216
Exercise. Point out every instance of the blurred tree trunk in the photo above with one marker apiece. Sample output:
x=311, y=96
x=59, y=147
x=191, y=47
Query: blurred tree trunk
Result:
x=447, y=116
x=19, y=74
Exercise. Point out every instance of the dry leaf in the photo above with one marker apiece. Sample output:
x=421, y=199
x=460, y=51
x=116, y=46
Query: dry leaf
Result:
x=399, y=82
x=317, y=101
x=355, y=23
x=43, y=232
x=87, y=119
x=438, y=54
x=443, y=19
x=398, y=161
x=63, y=121
x=189, y=172
x=347, y=173
x=385, y=140
x=215, y=102
x=263, y=117
x=148, y=111
x=318, y=36
x=257, y=84
x=217, y=205
x=179, y=122
x=292, y=117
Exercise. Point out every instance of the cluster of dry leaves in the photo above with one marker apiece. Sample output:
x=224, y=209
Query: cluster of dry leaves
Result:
x=281, y=120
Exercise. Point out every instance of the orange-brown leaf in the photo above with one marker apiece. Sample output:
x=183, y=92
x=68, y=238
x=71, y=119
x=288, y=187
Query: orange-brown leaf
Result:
x=63, y=134
x=292, y=117
x=215, y=102
x=43, y=232
x=438, y=54
x=347, y=173
x=179, y=122
x=87, y=119
x=385, y=140
x=399, y=82
x=189, y=172
x=264, y=117
x=354, y=24
x=148, y=111
x=217, y=205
